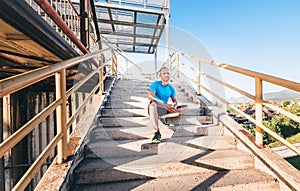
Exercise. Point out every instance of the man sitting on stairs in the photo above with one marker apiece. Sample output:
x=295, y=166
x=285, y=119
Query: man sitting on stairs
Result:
x=159, y=94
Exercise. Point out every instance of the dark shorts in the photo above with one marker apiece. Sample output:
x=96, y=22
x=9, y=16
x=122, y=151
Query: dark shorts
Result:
x=162, y=111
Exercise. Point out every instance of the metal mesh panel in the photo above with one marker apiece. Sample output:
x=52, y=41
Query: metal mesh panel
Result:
x=131, y=24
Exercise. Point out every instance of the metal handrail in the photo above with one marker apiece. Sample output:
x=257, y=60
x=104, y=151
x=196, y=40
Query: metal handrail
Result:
x=256, y=150
x=65, y=19
x=259, y=78
x=21, y=81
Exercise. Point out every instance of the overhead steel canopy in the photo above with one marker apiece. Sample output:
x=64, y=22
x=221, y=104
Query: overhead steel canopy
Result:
x=132, y=25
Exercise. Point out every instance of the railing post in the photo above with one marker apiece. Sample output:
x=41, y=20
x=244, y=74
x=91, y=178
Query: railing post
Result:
x=177, y=64
x=169, y=63
x=61, y=117
x=198, y=78
x=258, y=111
x=114, y=63
x=2, y=164
x=101, y=73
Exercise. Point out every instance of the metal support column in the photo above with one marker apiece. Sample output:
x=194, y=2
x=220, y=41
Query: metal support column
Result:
x=167, y=16
x=155, y=61
x=84, y=22
x=2, y=172
x=6, y=132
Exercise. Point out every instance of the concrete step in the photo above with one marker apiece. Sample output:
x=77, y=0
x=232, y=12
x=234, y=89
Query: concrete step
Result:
x=236, y=180
x=127, y=89
x=123, y=121
x=119, y=112
x=140, y=121
x=130, y=86
x=116, y=104
x=127, y=97
x=110, y=148
x=142, y=91
x=146, y=132
x=134, y=112
x=124, y=104
x=132, y=81
x=190, y=119
x=161, y=164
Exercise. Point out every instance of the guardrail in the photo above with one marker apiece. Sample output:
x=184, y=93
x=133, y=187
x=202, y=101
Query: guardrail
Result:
x=58, y=106
x=63, y=16
x=129, y=64
x=176, y=70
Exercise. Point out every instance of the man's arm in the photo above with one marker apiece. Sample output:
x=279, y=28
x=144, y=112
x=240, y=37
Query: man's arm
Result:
x=152, y=98
x=175, y=102
x=168, y=107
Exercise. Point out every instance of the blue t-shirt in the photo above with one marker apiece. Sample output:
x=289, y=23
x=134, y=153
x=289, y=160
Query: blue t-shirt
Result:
x=161, y=92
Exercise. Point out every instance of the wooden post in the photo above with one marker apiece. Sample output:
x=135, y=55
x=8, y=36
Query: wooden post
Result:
x=61, y=112
x=114, y=63
x=169, y=64
x=101, y=73
x=258, y=111
x=177, y=64
x=199, y=78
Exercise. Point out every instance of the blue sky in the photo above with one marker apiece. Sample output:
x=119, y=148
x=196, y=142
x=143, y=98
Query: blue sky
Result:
x=260, y=35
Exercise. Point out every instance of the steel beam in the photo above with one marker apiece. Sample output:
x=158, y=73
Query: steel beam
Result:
x=23, y=18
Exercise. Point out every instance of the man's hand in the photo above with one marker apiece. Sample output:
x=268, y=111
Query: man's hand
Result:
x=170, y=108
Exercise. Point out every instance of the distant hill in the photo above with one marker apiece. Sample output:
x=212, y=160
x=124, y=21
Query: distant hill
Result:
x=273, y=96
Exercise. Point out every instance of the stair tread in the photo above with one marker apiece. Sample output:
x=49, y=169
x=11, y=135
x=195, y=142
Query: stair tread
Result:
x=249, y=179
x=119, y=133
x=125, y=148
x=157, y=159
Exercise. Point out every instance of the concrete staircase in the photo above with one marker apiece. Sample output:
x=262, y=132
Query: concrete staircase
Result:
x=193, y=155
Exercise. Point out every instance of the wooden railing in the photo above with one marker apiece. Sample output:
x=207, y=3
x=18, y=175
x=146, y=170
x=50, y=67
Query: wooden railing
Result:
x=186, y=69
x=59, y=105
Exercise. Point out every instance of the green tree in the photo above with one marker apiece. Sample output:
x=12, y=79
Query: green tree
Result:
x=283, y=125
x=286, y=103
x=275, y=124
x=294, y=109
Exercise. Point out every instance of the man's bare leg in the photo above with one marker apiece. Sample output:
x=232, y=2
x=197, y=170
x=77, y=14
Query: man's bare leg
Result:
x=153, y=115
x=170, y=115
